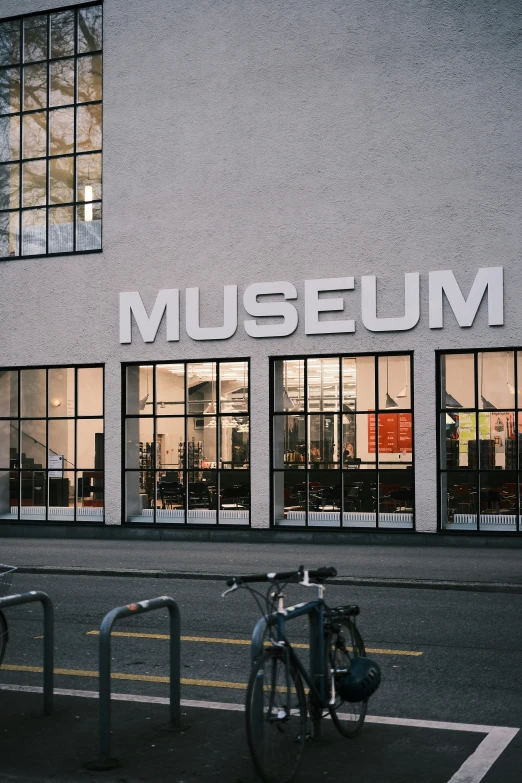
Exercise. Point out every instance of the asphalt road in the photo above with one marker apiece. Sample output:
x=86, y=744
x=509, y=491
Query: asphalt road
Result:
x=462, y=662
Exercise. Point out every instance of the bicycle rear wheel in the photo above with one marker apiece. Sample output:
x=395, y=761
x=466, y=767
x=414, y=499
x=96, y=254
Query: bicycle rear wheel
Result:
x=275, y=717
x=343, y=643
x=3, y=636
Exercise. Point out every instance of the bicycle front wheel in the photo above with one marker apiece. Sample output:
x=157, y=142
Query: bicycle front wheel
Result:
x=275, y=717
x=3, y=636
x=344, y=642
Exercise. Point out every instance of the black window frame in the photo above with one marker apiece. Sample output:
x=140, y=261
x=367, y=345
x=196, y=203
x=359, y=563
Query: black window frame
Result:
x=218, y=415
x=76, y=470
x=478, y=471
x=343, y=471
x=48, y=206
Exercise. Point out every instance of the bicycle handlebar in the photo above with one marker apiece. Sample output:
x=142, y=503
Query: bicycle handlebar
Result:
x=320, y=574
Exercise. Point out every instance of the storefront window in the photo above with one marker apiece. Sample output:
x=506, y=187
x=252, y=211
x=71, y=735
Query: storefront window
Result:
x=50, y=133
x=479, y=440
x=187, y=443
x=52, y=444
x=337, y=461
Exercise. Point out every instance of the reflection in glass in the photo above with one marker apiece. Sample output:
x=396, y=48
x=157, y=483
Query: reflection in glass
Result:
x=457, y=380
x=234, y=443
x=459, y=494
x=62, y=82
x=90, y=78
x=33, y=444
x=323, y=384
x=89, y=453
x=9, y=90
x=35, y=135
x=201, y=385
x=62, y=33
x=90, y=391
x=61, y=133
x=89, y=173
x=10, y=42
x=61, y=228
x=289, y=441
x=33, y=232
x=35, y=87
x=139, y=440
x=61, y=444
x=33, y=183
x=61, y=391
x=90, y=29
x=61, y=175
x=233, y=380
x=496, y=380
x=35, y=38
x=9, y=232
x=8, y=393
x=9, y=138
x=289, y=391
x=9, y=186
x=323, y=440
x=139, y=387
x=89, y=124
x=358, y=383
x=88, y=226
x=170, y=389
x=394, y=382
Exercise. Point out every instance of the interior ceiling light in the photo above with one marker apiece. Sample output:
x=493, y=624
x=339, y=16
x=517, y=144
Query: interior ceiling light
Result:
x=511, y=388
x=404, y=392
x=487, y=405
x=451, y=402
x=55, y=402
x=390, y=402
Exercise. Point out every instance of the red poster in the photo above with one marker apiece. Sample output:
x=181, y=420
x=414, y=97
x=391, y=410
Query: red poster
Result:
x=395, y=433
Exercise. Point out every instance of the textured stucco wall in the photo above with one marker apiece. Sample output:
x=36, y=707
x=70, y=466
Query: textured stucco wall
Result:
x=268, y=140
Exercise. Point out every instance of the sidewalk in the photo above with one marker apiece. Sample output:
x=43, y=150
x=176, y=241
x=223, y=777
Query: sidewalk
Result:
x=402, y=566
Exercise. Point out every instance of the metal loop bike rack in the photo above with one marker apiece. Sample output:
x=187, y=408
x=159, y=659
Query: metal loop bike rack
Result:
x=48, y=637
x=162, y=602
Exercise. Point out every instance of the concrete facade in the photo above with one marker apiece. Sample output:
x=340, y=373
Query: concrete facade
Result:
x=266, y=140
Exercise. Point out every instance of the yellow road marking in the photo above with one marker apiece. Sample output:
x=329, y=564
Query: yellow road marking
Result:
x=214, y=640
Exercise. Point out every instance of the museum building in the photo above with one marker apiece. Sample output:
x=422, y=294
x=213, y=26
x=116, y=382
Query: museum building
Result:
x=303, y=310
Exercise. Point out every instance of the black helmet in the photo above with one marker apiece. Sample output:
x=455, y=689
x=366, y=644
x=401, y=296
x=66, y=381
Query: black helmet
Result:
x=361, y=681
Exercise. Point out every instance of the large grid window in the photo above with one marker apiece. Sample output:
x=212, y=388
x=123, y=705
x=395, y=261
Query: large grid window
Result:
x=52, y=444
x=51, y=133
x=187, y=443
x=342, y=441
x=480, y=426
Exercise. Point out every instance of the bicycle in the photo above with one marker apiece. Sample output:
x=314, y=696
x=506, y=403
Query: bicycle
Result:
x=6, y=574
x=340, y=681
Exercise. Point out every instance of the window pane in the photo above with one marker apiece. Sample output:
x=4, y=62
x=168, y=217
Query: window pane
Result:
x=35, y=87
x=34, y=494
x=289, y=392
x=457, y=380
x=33, y=393
x=498, y=500
x=323, y=384
x=90, y=496
x=90, y=78
x=324, y=498
x=170, y=436
x=139, y=388
x=395, y=437
x=234, y=442
x=360, y=499
x=10, y=43
x=9, y=186
x=8, y=393
x=289, y=442
x=290, y=498
x=62, y=82
x=234, y=497
x=61, y=176
x=90, y=444
x=202, y=497
x=62, y=33
x=35, y=135
x=139, y=439
x=9, y=138
x=170, y=389
x=89, y=174
x=170, y=494
x=323, y=440
x=201, y=384
x=90, y=29
x=9, y=229
x=358, y=441
x=89, y=123
x=61, y=132
x=396, y=498
x=9, y=494
x=458, y=437
x=61, y=444
x=88, y=226
x=61, y=391
x=61, y=229
x=90, y=391
x=233, y=380
x=497, y=432
x=394, y=382
x=459, y=493
x=9, y=90
x=358, y=383
x=201, y=442
x=496, y=381
x=61, y=494
x=140, y=496
x=33, y=232
x=33, y=183
x=9, y=456
x=33, y=444
x=35, y=38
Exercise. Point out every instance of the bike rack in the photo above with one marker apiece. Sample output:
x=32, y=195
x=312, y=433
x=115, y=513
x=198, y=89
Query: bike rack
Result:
x=48, y=637
x=105, y=761
x=258, y=635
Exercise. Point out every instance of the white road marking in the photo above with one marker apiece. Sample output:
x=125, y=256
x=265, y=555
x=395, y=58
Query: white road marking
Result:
x=472, y=770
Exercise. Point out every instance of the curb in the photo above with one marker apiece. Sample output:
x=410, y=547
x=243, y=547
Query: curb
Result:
x=355, y=581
